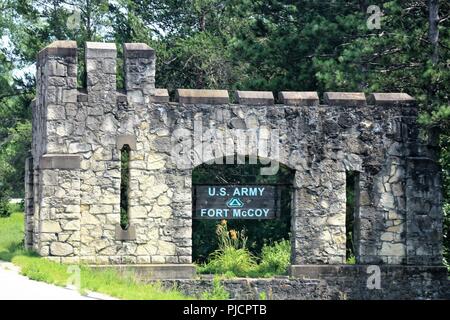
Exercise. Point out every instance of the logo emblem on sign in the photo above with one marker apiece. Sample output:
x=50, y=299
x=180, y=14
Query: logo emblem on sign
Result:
x=235, y=203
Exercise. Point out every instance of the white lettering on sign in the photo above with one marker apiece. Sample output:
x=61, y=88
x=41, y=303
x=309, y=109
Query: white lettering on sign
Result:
x=214, y=213
x=236, y=202
x=248, y=192
x=212, y=192
x=250, y=213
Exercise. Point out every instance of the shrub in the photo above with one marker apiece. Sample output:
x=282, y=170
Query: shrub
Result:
x=230, y=239
x=275, y=259
x=351, y=260
x=233, y=259
x=218, y=292
x=228, y=260
x=5, y=210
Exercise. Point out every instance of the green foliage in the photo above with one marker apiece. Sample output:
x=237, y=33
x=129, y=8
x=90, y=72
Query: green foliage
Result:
x=262, y=295
x=276, y=258
x=13, y=152
x=351, y=260
x=240, y=262
x=11, y=235
x=233, y=259
x=231, y=238
x=5, y=210
x=106, y=281
x=258, y=232
x=217, y=293
x=445, y=163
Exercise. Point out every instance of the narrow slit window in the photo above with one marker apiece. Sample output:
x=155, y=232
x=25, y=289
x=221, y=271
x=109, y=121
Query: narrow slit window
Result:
x=352, y=182
x=124, y=185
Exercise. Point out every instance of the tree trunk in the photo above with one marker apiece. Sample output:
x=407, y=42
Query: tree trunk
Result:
x=433, y=31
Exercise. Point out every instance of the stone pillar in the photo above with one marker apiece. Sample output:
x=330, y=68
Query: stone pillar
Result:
x=59, y=214
x=100, y=165
x=56, y=194
x=424, y=212
x=56, y=93
x=318, y=222
x=139, y=67
x=29, y=203
x=101, y=75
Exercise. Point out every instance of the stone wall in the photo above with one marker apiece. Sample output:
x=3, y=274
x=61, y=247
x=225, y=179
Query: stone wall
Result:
x=78, y=135
x=330, y=283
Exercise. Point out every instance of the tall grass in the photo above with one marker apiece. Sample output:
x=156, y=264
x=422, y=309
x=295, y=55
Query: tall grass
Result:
x=234, y=259
x=11, y=236
x=105, y=281
x=275, y=258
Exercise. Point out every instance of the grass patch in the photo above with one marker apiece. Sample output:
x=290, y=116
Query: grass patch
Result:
x=11, y=236
x=105, y=281
x=239, y=262
x=233, y=259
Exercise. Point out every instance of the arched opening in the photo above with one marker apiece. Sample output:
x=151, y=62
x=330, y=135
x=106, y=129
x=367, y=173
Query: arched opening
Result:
x=259, y=232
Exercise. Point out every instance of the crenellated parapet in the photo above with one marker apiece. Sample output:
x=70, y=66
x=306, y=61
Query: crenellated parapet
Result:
x=80, y=134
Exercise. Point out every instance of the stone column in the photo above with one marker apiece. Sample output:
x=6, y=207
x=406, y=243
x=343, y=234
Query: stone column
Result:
x=56, y=93
x=101, y=75
x=100, y=165
x=56, y=192
x=318, y=222
x=139, y=67
x=424, y=212
x=59, y=214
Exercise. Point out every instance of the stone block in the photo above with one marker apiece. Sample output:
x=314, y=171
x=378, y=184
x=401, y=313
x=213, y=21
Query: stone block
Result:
x=255, y=97
x=59, y=48
x=200, y=96
x=60, y=249
x=155, y=271
x=101, y=50
x=160, y=96
x=50, y=227
x=60, y=161
x=126, y=139
x=138, y=50
x=390, y=99
x=304, y=98
x=125, y=235
x=351, y=99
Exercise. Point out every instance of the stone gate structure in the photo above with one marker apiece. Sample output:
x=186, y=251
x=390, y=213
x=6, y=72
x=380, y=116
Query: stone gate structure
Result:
x=74, y=175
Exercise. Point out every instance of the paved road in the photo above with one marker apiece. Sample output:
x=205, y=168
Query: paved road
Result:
x=14, y=286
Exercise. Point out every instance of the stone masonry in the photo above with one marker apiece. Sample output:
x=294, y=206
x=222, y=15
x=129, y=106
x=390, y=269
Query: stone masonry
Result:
x=73, y=178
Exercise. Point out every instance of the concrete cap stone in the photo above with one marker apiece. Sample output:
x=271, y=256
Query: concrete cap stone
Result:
x=255, y=97
x=59, y=48
x=301, y=98
x=128, y=139
x=125, y=235
x=101, y=50
x=138, y=50
x=60, y=161
x=161, y=95
x=202, y=96
x=389, y=99
x=345, y=98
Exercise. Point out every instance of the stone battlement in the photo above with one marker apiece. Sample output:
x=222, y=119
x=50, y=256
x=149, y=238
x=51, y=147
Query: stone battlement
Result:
x=59, y=60
x=73, y=180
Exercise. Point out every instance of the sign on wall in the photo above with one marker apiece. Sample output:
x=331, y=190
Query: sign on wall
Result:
x=236, y=201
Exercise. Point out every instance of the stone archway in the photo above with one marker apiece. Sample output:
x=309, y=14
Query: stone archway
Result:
x=222, y=176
